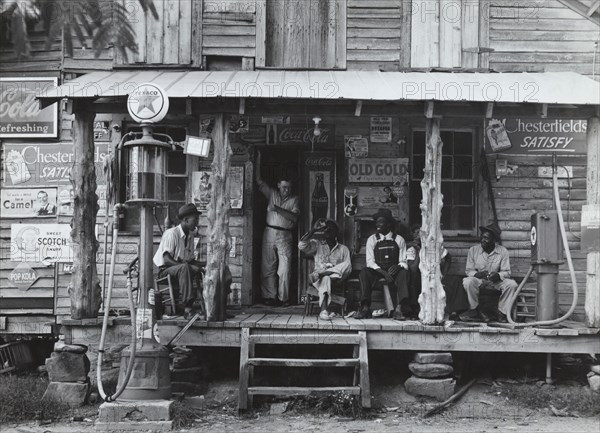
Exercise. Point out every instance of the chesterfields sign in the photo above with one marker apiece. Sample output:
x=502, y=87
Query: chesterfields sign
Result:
x=535, y=136
x=20, y=113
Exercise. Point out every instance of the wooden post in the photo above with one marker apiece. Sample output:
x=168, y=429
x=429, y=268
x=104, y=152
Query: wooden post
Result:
x=84, y=288
x=219, y=239
x=592, y=292
x=432, y=298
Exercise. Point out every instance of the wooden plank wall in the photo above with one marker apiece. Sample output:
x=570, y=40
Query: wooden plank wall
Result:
x=229, y=28
x=541, y=35
x=163, y=41
x=375, y=34
x=41, y=59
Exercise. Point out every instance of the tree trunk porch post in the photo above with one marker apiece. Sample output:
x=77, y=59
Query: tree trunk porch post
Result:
x=84, y=288
x=432, y=299
x=219, y=238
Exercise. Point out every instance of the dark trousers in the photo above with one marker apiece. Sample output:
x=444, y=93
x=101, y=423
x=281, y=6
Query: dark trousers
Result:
x=368, y=280
x=184, y=273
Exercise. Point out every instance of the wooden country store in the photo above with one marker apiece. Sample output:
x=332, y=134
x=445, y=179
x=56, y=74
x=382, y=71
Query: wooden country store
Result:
x=376, y=90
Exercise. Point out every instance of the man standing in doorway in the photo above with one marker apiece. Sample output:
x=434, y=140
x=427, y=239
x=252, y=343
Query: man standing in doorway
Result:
x=282, y=216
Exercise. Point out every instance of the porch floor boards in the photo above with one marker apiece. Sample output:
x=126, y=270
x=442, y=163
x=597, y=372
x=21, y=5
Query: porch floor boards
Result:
x=297, y=321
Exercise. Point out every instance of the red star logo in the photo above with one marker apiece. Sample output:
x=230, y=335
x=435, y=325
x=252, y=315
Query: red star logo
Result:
x=146, y=101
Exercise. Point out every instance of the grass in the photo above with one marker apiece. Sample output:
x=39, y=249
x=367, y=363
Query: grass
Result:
x=570, y=399
x=21, y=399
x=337, y=404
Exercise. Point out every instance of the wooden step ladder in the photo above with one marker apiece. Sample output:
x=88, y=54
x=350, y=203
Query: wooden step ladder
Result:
x=359, y=361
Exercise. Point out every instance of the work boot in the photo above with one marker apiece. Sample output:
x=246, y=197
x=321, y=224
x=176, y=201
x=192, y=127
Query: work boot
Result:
x=470, y=316
x=364, y=313
x=398, y=314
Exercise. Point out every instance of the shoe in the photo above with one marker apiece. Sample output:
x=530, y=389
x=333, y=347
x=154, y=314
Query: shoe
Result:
x=470, y=316
x=284, y=304
x=333, y=315
x=364, y=313
x=379, y=313
x=502, y=317
x=324, y=315
x=398, y=315
x=269, y=302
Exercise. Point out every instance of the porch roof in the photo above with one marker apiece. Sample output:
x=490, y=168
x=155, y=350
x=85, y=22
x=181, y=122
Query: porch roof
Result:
x=543, y=87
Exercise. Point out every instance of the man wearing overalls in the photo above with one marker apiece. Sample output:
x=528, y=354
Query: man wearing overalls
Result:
x=386, y=258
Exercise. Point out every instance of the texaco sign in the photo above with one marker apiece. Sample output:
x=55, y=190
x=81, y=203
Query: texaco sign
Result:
x=148, y=103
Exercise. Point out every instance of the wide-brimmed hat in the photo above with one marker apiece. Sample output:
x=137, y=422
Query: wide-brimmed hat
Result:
x=493, y=228
x=385, y=213
x=187, y=210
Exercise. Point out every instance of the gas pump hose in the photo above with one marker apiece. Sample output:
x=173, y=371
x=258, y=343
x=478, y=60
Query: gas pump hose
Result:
x=563, y=235
x=129, y=370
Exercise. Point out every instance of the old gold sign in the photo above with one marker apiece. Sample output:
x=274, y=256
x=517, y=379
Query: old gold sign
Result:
x=377, y=170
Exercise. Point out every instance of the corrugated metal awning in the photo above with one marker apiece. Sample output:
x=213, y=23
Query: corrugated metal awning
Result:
x=543, y=87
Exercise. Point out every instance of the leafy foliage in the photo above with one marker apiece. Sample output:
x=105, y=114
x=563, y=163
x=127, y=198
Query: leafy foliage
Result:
x=101, y=23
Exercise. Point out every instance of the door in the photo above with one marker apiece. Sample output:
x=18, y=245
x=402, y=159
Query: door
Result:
x=277, y=162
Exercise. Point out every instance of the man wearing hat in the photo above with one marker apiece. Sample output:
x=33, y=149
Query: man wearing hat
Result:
x=489, y=262
x=386, y=257
x=175, y=254
x=332, y=261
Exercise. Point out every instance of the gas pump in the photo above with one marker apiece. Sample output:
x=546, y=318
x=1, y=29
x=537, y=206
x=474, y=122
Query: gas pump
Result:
x=548, y=238
x=145, y=158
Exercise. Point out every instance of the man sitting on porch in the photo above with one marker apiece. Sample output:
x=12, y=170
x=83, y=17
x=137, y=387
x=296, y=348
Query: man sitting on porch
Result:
x=175, y=255
x=489, y=262
x=386, y=257
x=332, y=261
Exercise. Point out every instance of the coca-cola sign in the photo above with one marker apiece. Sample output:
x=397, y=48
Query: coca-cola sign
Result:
x=20, y=113
x=324, y=162
x=300, y=134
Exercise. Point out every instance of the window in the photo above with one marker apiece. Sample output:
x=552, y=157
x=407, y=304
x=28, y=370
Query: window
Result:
x=176, y=179
x=301, y=34
x=458, y=179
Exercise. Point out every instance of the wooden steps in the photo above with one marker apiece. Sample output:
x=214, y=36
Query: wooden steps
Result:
x=359, y=361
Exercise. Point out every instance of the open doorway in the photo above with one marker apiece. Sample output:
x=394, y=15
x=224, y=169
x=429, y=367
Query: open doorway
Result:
x=276, y=162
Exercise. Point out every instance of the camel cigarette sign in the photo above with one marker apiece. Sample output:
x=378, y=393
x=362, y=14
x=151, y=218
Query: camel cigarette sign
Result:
x=20, y=113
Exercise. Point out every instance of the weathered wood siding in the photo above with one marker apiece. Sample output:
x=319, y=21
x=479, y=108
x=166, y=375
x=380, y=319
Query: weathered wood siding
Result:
x=40, y=59
x=229, y=28
x=169, y=40
x=378, y=34
x=538, y=36
x=448, y=34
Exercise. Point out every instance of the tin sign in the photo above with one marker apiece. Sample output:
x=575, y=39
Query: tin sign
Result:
x=23, y=276
x=534, y=136
x=46, y=243
x=391, y=171
x=20, y=113
x=148, y=103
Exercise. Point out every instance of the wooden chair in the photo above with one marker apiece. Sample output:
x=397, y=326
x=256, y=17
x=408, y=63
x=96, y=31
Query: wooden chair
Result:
x=311, y=301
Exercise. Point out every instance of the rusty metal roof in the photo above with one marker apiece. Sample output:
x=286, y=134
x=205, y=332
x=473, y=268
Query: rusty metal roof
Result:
x=542, y=87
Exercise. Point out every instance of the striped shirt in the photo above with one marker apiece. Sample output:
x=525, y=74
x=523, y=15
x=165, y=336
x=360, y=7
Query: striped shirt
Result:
x=291, y=203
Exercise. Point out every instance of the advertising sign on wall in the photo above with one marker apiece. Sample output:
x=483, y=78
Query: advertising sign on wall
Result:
x=534, y=136
x=298, y=134
x=23, y=276
x=28, y=203
x=47, y=243
x=381, y=129
x=319, y=181
x=44, y=164
x=356, y=146
x=391, y=171
x=202, y=188
x=20, y=113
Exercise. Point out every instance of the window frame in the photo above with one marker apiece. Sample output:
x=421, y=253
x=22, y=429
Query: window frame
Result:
x=456, y=233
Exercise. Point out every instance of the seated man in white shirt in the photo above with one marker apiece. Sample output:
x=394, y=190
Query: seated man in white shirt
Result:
x=175, y=255
x=386, y=257
x=332, y=261
x=489, y=262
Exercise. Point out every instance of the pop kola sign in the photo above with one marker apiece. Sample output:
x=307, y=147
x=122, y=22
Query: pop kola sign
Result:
x=148, y=103
x=534, y=136
x=20, y=112
x=23, y=276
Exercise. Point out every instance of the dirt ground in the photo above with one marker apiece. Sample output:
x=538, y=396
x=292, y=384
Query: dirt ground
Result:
x=485, y=408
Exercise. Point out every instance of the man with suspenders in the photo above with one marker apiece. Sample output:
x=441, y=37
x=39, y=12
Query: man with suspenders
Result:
x=386, y=258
